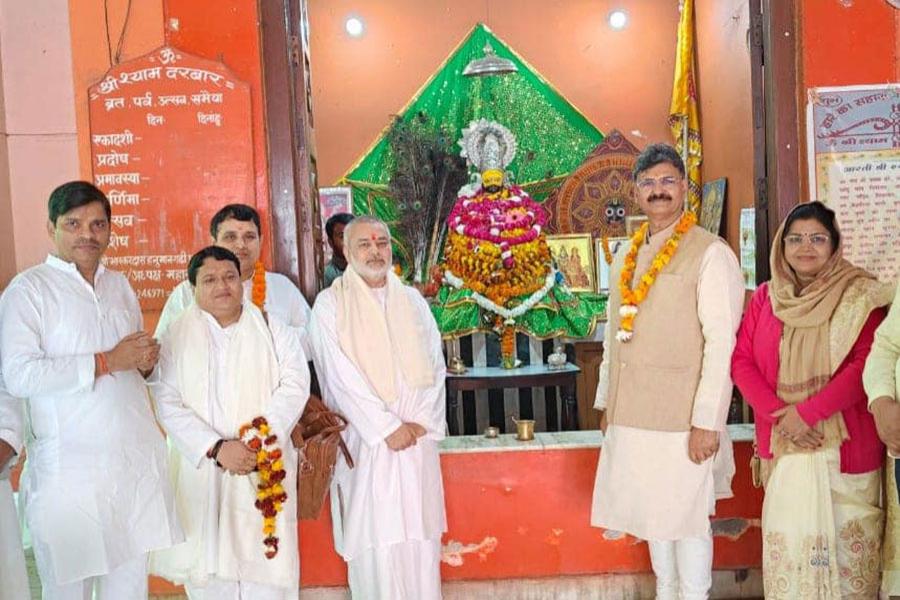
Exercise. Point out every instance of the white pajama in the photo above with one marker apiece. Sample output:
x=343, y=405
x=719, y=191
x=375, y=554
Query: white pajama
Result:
x=683, y=568
x=128, y=581
x=223, y=589
x=405, y=571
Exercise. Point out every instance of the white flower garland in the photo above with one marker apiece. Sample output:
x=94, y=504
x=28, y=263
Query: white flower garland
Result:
x=508, y=314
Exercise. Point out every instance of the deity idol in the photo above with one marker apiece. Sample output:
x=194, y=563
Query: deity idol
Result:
x=495, y=243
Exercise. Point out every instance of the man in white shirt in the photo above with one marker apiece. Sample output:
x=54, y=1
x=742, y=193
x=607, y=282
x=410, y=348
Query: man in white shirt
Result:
x=97, y=499
x=377, y=351
x=237, y=228
x=13, y=576
x=223, y=365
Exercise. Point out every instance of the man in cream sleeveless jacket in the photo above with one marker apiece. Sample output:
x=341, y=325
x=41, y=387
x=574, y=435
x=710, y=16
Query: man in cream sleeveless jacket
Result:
x=665, y=382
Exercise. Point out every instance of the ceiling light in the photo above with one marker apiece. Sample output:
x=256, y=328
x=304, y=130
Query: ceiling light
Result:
x=354, y=26
x=618, y=19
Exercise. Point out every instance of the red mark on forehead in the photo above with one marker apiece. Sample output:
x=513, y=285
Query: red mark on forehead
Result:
x=374, y=237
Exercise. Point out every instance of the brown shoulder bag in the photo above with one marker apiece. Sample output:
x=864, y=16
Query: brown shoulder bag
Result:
x=317, y=438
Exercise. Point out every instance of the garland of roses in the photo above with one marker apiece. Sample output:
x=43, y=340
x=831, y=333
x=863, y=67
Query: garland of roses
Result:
x=270, y=492
x=632, y=298
x=475, y=219
x=258, y=295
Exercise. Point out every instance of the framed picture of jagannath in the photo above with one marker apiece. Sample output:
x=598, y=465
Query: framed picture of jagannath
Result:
x=603, y=258
x=574, y=257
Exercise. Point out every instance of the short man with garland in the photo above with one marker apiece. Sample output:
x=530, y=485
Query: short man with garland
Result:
x=676, y=294
x=379, y=358
x=237, y=228
x=223, y=365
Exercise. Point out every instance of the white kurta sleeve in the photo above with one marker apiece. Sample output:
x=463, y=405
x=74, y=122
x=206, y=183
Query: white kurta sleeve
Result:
x=299, y=318
x=191, y=435
x=12, y=421
x=27, y=370
x=289, y=398
x=880, y=372
x=720, y=300
x=343, y=385
x=433, y=413
x=180, y=298
x=603, y=381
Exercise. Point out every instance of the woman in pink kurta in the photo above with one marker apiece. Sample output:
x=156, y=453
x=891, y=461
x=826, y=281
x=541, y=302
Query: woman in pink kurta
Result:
x=798, y=361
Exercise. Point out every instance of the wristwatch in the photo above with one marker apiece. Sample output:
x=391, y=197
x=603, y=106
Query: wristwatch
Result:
x=214, y=451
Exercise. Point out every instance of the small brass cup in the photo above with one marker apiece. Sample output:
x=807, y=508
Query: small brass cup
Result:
x=491, y=432
x=524, y=429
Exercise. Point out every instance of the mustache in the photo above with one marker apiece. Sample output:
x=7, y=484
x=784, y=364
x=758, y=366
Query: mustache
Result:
x=90, y=243
x=662, y=196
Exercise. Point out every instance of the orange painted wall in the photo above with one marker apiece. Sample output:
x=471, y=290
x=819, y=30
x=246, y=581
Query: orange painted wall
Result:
x=726, y=104
x=848, y=43
x=537, y=506
x=228, y=31
x=618, y=79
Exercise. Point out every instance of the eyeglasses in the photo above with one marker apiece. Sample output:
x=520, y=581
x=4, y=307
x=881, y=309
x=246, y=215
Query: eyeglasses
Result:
x=816, y=239
x=649, y=183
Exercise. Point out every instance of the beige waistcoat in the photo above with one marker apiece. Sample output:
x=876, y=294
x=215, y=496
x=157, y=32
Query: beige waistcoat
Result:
x=653, y=377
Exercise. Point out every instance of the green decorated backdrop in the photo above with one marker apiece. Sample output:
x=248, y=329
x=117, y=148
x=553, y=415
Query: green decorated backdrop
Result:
x=553, y=136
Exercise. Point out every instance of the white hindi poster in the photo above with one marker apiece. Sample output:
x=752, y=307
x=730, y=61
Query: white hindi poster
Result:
x=854, y=159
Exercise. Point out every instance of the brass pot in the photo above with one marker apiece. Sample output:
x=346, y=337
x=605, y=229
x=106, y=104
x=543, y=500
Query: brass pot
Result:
x=524, y=429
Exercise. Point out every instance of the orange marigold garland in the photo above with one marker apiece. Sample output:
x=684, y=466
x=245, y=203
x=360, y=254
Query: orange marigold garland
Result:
x=270, y=492
x=259, y=285
x=607, y=252
x=632, y=298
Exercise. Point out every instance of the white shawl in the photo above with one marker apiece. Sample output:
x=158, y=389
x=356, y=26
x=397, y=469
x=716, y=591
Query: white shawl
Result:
x=240, y=549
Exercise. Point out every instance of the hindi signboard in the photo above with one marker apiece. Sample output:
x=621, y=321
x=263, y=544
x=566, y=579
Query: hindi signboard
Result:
x=170, y=144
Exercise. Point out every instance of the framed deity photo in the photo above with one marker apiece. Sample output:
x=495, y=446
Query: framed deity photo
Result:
x=573, y=254
x=603, y=267
x=711, y=205
x=633, y=223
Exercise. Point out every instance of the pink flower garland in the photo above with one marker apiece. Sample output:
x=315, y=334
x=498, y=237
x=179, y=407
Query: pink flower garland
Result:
x=489, y=219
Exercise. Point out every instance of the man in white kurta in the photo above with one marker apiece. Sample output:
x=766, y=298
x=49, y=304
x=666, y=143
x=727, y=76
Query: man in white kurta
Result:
x=665, y=392
x=237, y=228
x=96, y=495
x=378, y=354
x=221, y=366
x=13, y=576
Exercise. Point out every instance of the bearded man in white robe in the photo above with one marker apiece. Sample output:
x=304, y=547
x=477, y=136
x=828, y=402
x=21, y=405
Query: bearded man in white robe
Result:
x=13, y=576
x=378, y=355
x=224, y=364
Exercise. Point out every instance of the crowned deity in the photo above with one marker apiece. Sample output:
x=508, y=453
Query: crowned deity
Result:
x=497, y=273
x=495, y=244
